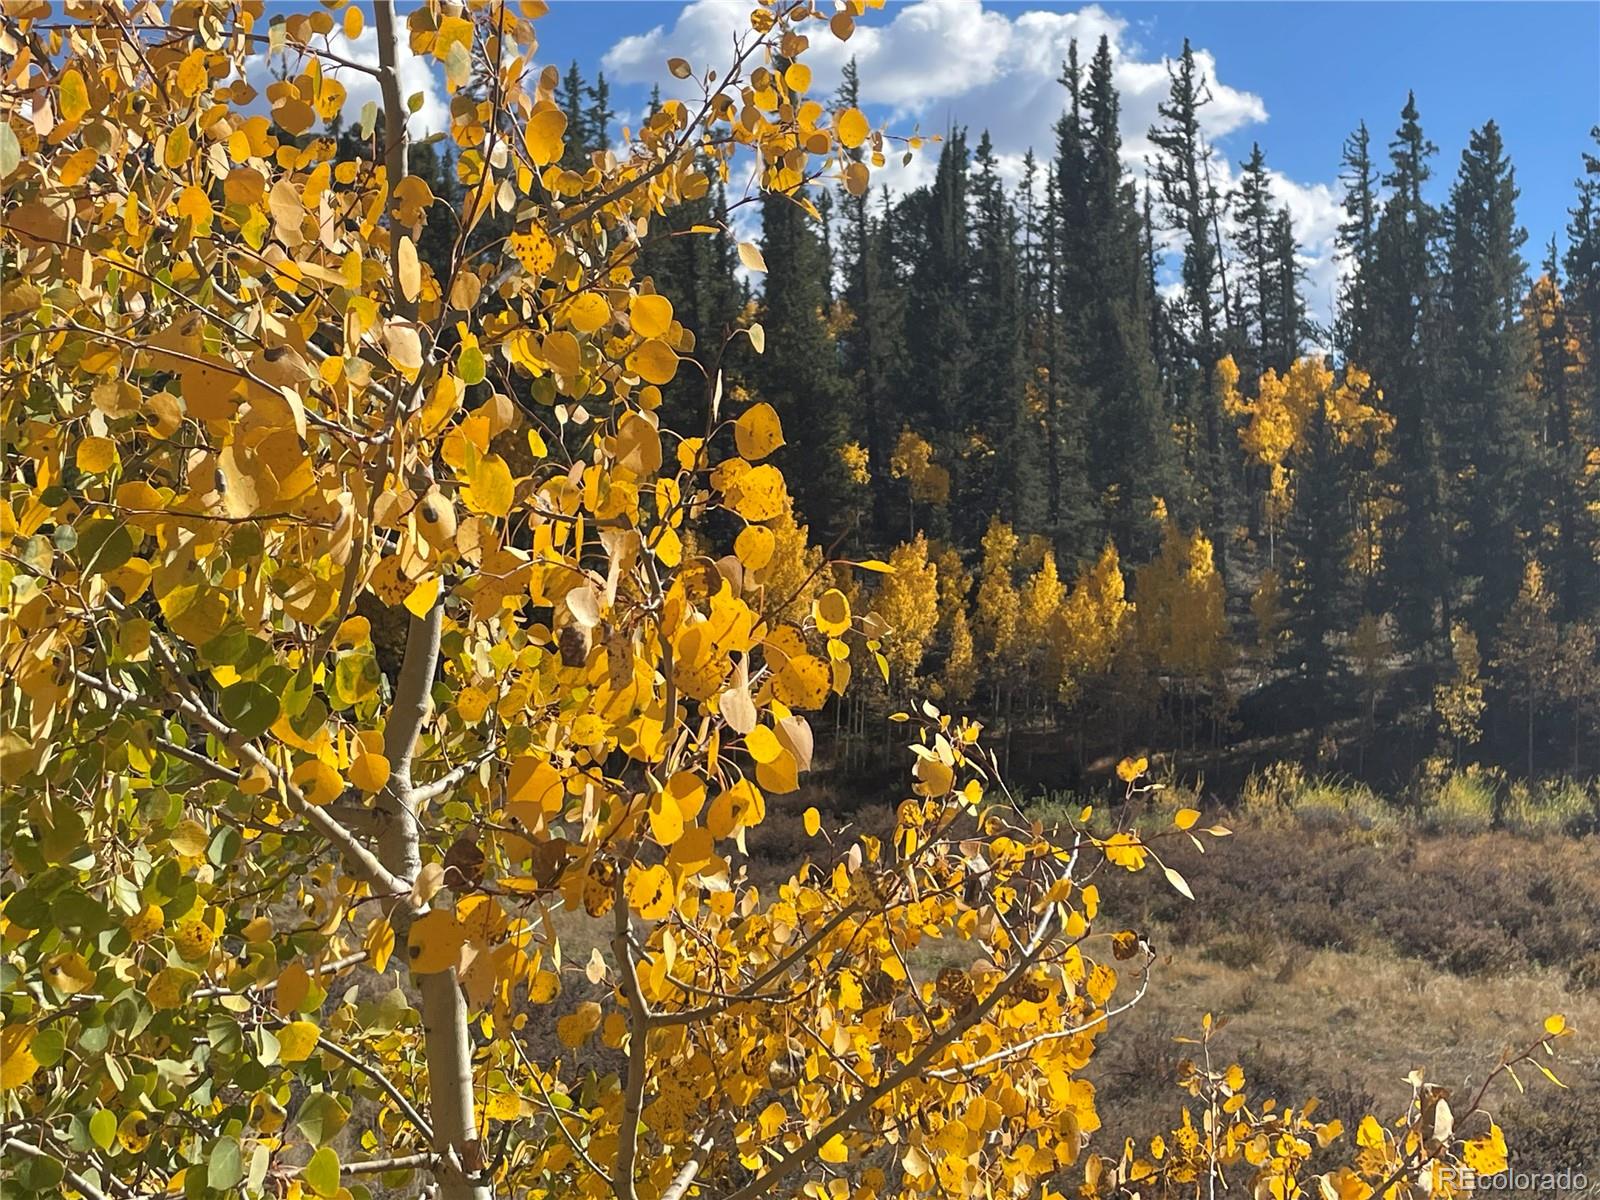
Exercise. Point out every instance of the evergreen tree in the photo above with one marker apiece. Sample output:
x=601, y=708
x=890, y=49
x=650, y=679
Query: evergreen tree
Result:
x=1001, y=475
x=1404, y=337
x=1318, y=544
x=938, y=334
x=1181, y=175
x=575, y=154
x=873, y=345
x=1582, y=262
x=1285, y=330
x=799, y=373
x=599, y=114
x=1486, y=427
x=1256, y=245
x=697, y=270
x=1106, y=301
x=1357, y=245
x=1563, y=390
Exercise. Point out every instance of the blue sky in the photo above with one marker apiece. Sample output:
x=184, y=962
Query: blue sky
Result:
x=1295, y=76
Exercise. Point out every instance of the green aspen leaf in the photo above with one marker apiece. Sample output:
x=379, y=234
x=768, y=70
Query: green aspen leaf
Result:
x=249, y=707
x=103, y=1128
x=224, y=1165
x=322, y=1172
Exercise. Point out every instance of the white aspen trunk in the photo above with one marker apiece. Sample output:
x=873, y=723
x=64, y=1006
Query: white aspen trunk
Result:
x=447, y=1035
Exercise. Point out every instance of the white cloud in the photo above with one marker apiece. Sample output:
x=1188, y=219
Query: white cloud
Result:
x=939, y=63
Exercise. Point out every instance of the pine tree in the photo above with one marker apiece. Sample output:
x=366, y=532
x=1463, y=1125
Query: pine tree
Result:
x=1287, y=327
x=872, y=342
x=1404, y=338
x=939, y=347
x=599, y=114
x=1318, y=537
x=1106, y=304
x=575, y=155
x=1004, y=479
x=1357, y=245
x=1181, y=175
x=1563, y=389
x=1582, y=259
x=1257, y=249
x=800, y=373
x=1488, y=438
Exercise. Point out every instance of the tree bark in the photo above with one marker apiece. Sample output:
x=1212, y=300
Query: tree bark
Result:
x=447, y=1034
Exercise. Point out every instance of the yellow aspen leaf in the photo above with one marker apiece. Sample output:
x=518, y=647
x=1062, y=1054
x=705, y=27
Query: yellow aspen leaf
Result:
x=145, y=923
x=195, y=205
x=588, y=312
x=830, y=613
x=754, y=546
x=96, y=455
x=666, y=818
x=1186, y=817
x=193, y=940
x=354, y=22
x=544, y=135
x=421, y=599
x=650, y=315
x=578, y=1026
x=759, y=494
x=135, y=1130
x=435, y=942
x=257, y=930
x=834, y=1150
x=17, y=1063
x=852, y=128
x=758, y=431
x=69, y=973
x=297, y=1040
x=294, y=984
x=654, y=362
x=813, y=821
x=1130, y=769
x=534, y=250
x=379, y=944
x=1126, y=851
x=750, y=255
x=688, y=792
x=762, y=744
x=370, y=771
x=1486, y=1155
x=169, y=987
x=797, y=76
x=489, y=488
x=545, y=987
x=72, y=95
x=319, y=783
x=408, y=268
x=1555, y=1025
x=803, y=682
x=651, y=892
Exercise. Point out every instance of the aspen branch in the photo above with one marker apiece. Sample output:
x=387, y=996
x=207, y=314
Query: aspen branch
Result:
x=847, y=1116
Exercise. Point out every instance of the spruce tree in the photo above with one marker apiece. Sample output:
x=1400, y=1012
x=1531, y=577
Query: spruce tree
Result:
x=1317, y=538
x=799, y=372
x=1405, y=336
x=1568, y=487
x=1582, y=261
x=1106, y=303
x=1486, y=426
x=1257, y=250
x=1002, y=475
x=1181, y=175
x=1357, y=245
x=1286, y=328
